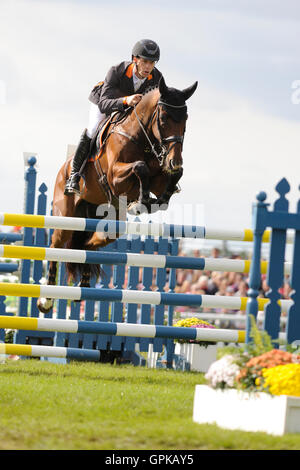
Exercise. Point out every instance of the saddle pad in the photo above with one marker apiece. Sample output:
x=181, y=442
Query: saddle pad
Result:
x=99, y=141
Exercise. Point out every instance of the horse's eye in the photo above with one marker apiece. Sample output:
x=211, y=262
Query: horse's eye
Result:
x=163, y=118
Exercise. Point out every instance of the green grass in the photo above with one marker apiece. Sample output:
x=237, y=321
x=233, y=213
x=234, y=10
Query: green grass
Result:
x=45, y=406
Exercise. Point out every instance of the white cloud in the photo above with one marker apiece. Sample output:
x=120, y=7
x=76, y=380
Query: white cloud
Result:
x=231, y=154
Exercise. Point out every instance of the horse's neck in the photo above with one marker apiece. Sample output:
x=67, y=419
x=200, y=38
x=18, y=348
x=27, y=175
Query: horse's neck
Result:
x=149, y=102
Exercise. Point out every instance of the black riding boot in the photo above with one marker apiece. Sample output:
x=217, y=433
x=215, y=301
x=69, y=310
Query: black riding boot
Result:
x=82, y=151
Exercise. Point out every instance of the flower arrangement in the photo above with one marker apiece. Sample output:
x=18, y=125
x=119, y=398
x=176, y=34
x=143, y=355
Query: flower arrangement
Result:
x=222, y=373
x=194, y=323
x=273, y=371
x=251, y=377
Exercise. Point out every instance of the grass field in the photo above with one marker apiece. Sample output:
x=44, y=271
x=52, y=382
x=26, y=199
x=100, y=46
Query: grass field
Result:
x=47, y=406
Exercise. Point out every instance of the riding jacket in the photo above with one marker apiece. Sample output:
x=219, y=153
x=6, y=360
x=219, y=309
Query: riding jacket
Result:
x=109, y=95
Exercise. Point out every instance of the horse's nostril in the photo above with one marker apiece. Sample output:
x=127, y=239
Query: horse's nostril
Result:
x=173, y=166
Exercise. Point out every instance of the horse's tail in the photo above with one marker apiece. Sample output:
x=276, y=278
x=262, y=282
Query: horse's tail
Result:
x=78, y=240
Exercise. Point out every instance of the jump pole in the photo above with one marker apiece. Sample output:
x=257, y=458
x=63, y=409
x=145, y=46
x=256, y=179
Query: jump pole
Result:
x=130, y=228
x=122, y=329
x=131, y=259
x=92, y=355
x=8, y=267
x=133, y=296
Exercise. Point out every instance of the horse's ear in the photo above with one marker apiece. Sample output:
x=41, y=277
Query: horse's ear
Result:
x=187, y=92
x=162, y=86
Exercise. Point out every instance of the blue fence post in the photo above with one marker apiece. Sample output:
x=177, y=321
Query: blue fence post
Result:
x=103, y=341
x=161, y=280
x=117, y=308
x=2, y=312
x=170, y=345
x=276, y=263
x=30, y=185
x=89, y=315
x=258, y=225
x=293, y=319
x=61, y=305
x=135, y=244
x=279, y=220
x=147, y=285
x=40, y=240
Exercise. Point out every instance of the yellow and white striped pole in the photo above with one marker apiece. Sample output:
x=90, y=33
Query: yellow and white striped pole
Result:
x=131, y=259
x=133, y=296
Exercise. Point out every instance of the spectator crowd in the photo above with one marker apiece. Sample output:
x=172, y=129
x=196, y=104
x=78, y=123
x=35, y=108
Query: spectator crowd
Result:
x=221, y=283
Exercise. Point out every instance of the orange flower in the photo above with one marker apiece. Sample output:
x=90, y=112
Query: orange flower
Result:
x=273, y=358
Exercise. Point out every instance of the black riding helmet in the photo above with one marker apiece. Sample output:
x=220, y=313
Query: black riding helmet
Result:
x=146, y=49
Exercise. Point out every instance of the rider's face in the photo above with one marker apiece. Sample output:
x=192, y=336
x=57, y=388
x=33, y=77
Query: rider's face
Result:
x=143, y=67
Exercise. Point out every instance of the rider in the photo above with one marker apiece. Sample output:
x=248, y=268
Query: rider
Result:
x=123, y=87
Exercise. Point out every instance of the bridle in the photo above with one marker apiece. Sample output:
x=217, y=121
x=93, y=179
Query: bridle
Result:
x=164, y=147
x=164, y=142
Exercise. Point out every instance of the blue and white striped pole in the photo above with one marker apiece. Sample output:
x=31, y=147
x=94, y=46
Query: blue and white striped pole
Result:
x=122, y=329
x=91, y=355
x=119, y=228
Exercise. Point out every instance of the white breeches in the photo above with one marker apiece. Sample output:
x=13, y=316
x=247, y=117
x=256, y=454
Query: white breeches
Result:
x=95, y=116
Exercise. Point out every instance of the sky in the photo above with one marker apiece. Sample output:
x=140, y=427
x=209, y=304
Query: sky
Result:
x=243, y=130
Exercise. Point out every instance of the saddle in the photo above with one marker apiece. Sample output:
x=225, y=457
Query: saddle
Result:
x=101, y=134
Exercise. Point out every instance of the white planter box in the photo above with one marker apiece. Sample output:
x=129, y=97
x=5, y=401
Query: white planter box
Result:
x=199, y=357
x=234, y=409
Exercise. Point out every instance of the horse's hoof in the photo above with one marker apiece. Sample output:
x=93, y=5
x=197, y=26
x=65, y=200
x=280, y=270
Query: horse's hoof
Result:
x=136, y=208
x=84, y=284
x=44, y=305
x=159, y=205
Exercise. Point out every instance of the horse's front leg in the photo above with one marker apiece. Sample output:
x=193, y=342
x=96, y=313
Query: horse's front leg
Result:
x=124, y=178
x=164, y=186
x=85, y=277
x=141, y=170
x=171, y=188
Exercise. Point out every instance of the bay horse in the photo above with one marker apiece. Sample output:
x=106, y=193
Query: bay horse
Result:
x=142, y=154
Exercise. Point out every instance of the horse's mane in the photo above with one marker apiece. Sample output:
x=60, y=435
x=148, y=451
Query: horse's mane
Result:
x=151, y=96
x=172, y=96
x=147, y=103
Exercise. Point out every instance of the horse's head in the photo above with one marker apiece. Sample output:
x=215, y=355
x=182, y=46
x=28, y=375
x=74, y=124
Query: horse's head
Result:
x=169, y=126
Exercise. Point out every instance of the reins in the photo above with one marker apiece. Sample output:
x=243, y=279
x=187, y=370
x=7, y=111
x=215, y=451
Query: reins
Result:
x=147, y=137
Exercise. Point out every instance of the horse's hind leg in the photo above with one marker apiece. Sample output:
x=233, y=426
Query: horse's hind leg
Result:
x=44, y=305
x=58, y=240
x=85, y=276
